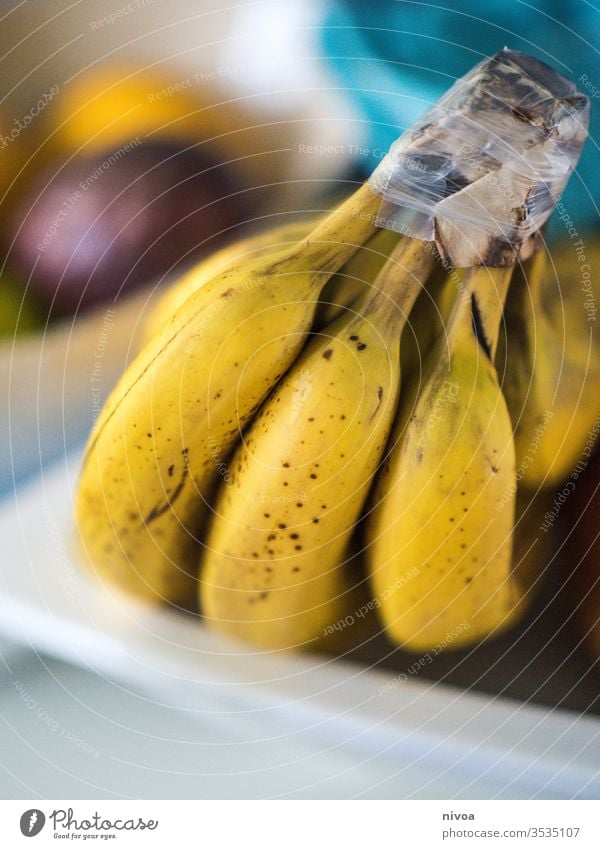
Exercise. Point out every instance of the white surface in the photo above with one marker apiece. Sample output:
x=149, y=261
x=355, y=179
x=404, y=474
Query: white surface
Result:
x=283, y=724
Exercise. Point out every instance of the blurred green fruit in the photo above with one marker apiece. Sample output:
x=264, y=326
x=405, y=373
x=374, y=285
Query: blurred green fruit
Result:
x=19, y=313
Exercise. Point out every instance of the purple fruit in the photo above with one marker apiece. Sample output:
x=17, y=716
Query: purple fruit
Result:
x=102, y=226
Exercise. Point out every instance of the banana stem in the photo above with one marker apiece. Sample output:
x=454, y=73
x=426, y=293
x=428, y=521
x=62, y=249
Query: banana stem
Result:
x=488, y=288
x=343, y=231
x=401, y=280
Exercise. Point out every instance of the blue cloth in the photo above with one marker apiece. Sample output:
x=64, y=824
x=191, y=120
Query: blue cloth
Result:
x=395, y=58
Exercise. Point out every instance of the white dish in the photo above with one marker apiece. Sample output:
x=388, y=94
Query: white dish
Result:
x=461, y=743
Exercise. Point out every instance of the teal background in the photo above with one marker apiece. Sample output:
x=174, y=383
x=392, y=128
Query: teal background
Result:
x=395, y=58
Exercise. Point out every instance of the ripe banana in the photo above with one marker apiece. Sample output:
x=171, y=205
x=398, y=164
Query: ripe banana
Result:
x=260, y=244
x=427, y=320
x=165, y=433
x=533, y=549
x=551, y=360
x=439, y=543
x=274, y=570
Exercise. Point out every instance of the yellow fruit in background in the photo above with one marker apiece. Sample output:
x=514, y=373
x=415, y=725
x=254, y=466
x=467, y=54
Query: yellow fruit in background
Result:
x=115, y=104
x=176, y=294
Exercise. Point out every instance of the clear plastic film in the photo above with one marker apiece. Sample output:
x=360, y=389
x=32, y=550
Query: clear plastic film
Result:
x=482, y=169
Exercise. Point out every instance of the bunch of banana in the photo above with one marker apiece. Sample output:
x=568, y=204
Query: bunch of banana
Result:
x=274, y=564
x=274, y=569
x=319, y=411
x=165, y=433
x=167, y=511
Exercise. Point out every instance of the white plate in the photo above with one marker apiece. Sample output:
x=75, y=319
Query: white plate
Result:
x=475, y=745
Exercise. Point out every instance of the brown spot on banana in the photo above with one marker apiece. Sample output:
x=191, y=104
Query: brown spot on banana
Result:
x=161, y=509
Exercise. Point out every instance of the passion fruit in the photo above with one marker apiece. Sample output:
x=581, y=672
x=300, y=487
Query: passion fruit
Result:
x=104, y=224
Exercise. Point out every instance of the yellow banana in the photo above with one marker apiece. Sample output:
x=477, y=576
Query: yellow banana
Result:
x=274, y=570
x=440, y=531
x=166, y=430
x=175, y=295
x=339, y=292
x=551, y=360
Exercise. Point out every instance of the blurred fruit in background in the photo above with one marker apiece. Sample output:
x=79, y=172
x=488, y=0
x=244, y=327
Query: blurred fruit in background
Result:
x=19, y=312
x=10, y=161
x=105, y=224
x=133, y=174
